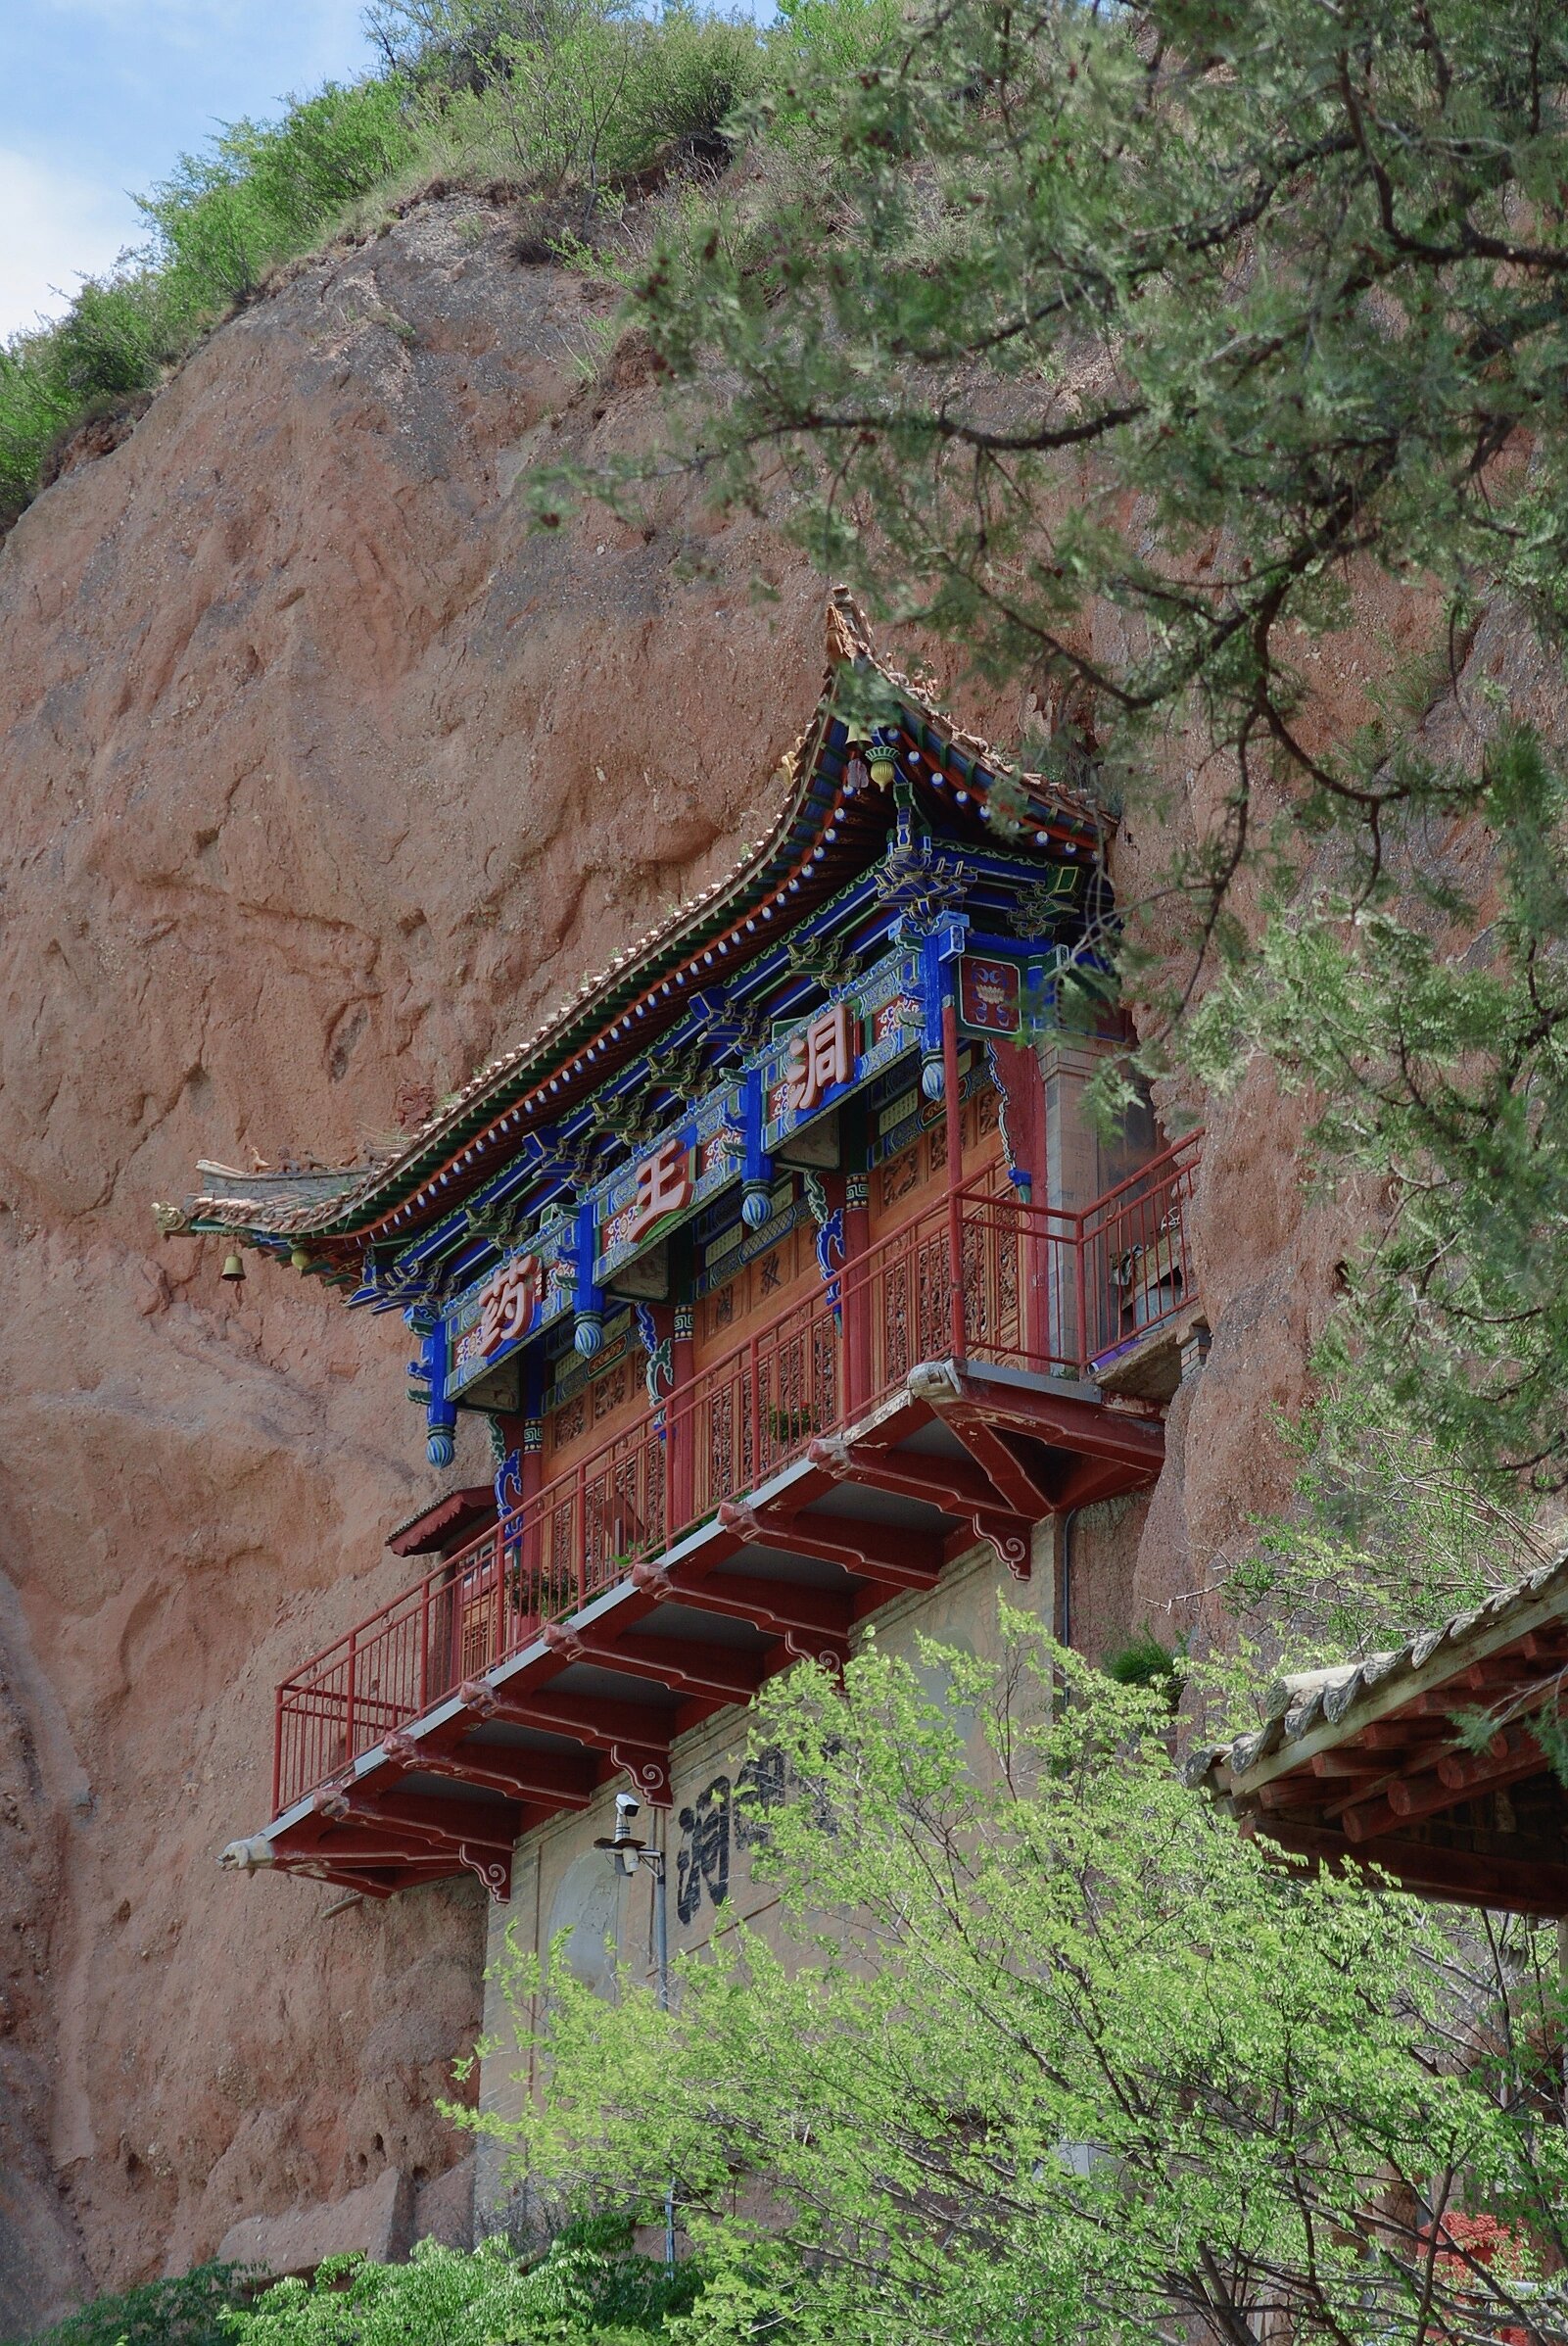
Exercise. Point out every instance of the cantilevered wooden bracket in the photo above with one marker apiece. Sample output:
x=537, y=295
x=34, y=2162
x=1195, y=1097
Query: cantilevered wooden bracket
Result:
x=633, y=1735
x=775, y=1607
x=879, y=1552
x=955, y=1486
x=683, y=1665
x=522, y=1776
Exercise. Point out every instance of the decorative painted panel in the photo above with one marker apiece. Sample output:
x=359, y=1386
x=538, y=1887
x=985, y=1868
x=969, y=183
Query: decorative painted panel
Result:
x=788, y=1092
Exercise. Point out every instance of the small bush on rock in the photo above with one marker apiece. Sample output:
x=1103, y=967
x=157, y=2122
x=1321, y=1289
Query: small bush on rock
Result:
x=185, y=2312
x=590, y=2288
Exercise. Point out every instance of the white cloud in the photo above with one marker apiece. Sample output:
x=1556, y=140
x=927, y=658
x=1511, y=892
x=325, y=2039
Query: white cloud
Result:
x=305, y=37
x=60, y=227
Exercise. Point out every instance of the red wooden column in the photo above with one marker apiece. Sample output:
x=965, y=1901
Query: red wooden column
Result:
x=679, y=1427
x=854, y=1289
x=952, y=1111
x=526, y=1437
x=1016, y=1070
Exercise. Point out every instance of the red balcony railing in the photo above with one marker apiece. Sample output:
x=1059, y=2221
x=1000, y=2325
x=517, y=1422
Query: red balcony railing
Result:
x=982, y=1276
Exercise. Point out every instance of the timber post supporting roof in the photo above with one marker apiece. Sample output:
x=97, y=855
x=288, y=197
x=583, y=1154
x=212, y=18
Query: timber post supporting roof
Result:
x=1421, y=1760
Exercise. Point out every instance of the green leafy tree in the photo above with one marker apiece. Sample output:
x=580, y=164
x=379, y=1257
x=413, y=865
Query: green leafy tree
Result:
x=587, y=2289
x=186, y=2311
x=1049, y=2051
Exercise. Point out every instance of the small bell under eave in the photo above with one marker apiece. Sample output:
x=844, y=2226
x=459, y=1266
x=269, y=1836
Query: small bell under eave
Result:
x=233, y=1269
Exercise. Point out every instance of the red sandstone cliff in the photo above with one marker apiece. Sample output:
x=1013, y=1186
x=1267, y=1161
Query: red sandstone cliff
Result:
x=322, y=776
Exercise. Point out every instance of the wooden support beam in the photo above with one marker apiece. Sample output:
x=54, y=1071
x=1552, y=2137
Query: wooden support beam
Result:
x=415, y=1816
x=1089, y=1428
x=1407, y=1799
x=775, y=1607
x=1529, y=1883
x=1465, y=1773
x=367, y=1886
x=340, y=1844
x=955, y=1486
x=1091, y=1480
x=1288, y=1793
x=633, y=1736
x=680, y=1663
x=547, y=1777
x=898, y=1558
x=1401, y=1735
x=1014, y=1484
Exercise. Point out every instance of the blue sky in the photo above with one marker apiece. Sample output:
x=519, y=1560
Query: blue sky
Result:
x=97, y=97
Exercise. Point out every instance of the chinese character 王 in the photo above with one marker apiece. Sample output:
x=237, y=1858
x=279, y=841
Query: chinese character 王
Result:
x=663, y=1186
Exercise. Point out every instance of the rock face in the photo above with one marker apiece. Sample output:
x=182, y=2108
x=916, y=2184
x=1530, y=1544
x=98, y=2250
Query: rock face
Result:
x=322, y=776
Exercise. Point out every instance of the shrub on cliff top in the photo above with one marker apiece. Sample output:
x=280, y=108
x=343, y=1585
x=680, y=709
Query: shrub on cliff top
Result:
x=558, y=94
x=260, y=194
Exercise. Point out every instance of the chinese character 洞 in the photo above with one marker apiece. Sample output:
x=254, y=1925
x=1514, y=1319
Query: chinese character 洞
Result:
x=663, y=1186
x=703, y=1860
x=819, y=1058
x=507, y=1304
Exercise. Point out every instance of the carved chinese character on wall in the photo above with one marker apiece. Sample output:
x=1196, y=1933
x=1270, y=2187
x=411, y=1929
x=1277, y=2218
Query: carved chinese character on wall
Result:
x=717, y=1822
x=820, y=1057
x=702, y=1861
x=507, y=1306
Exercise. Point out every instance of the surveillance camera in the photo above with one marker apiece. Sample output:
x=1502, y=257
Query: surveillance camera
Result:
x=627, y=1804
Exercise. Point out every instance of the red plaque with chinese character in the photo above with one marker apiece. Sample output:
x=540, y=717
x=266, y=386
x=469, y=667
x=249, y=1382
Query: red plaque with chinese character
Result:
x=821, y=1056
x=663, y=1186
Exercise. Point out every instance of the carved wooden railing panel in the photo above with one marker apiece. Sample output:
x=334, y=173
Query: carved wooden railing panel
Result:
x=981, y=1274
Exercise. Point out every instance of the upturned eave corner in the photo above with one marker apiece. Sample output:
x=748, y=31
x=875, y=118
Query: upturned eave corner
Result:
x=341, y=1209
x=1422, y=1761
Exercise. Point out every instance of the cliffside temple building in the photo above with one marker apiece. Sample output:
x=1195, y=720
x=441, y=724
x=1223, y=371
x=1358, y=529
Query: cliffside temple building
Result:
x=797, y=1289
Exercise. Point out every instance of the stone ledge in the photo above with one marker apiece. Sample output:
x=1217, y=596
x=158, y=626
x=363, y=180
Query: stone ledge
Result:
x=376, y=2220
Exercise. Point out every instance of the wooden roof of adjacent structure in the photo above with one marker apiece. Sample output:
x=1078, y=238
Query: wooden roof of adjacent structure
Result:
x=821, y=837
x=1422, y=1760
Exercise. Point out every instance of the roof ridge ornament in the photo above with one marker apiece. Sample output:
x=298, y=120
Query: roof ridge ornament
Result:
x=848, y=636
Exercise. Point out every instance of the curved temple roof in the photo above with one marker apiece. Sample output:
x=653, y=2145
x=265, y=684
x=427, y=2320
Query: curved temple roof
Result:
x=1314, y=1709
x=824, y=834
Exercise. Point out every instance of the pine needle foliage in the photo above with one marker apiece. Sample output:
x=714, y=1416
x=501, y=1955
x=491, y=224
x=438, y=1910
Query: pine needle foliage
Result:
x=1390, y=1532
x=1441, y=1067
x=1103, y=338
